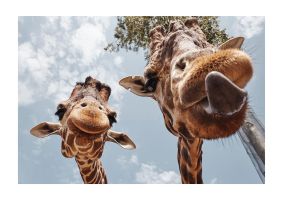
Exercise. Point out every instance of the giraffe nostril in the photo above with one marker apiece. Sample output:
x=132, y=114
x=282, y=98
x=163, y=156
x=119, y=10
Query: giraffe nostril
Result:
x=83, y=105
x=100, y=108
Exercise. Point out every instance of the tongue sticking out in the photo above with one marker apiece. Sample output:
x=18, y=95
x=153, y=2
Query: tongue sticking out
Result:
x=223, y=96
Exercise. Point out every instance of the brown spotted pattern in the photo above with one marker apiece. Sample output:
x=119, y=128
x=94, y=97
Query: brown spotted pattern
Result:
x=85, y=122
x=87, y=150
x=190, y=160
x=180, y=61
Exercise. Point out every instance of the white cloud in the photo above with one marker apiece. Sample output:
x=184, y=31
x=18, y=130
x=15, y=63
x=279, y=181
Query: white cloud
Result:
x=213, y=181
x=125, y=162
x=249, y=26
x=89, y=40
x=34, y=72
x=122, y=160
x=49, y=43
x=51, y=24
x=104, y=21
x=134, y=159
x=70, y=173
x=151, y=174
x=62, y=51
x=148, y=173
x=52, y=88
x=26, y=52
x=66, y=23
x=35, y=62
x=38, y=143
x=118, y=61
x=25, y=94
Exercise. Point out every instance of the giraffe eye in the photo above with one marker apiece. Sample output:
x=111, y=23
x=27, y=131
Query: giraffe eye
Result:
x=152, y=80
x=60, y=111
x=112, y=117
x=150, y=84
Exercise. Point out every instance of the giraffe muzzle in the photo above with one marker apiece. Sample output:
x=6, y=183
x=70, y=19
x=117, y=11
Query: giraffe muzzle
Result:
x=219, y=72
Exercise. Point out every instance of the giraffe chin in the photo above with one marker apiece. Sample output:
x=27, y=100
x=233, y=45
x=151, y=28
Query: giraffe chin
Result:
x=208, y=125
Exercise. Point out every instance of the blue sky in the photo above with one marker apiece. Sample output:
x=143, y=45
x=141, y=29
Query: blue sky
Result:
x=56, y=52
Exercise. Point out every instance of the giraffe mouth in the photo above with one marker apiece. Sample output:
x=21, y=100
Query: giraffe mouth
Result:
x=221, y=112
x=215, y=81
x=83, y=128
x=90, y=122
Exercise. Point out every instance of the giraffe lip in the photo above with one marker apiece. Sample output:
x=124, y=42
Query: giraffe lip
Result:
x=89, y=121
x=91, y=131
x=223, y=96
x=78, y=126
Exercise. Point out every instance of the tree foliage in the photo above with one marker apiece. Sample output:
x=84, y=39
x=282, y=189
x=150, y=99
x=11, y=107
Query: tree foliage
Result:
x=131, y=33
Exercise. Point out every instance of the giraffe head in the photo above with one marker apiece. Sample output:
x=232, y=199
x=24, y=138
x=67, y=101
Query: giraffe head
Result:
x=199, y=87
x=85, y=120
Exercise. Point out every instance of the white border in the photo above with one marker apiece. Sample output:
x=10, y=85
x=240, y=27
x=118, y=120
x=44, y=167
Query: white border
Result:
x=8, y=41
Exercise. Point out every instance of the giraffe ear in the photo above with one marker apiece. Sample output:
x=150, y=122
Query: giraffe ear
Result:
x=121, y=139
x=233, y=43
x=45, y=129
x=136, y=85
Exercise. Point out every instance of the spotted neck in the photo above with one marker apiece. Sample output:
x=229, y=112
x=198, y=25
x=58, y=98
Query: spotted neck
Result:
x=91, y=171
x=190, y=160
x=87, y=150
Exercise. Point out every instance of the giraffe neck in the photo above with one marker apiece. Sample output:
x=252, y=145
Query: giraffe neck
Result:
x=91, y=171
x=87, y=152
x=190, y=160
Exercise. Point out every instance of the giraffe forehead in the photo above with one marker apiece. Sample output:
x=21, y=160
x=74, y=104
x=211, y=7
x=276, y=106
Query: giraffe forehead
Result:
x=86, y=92
x=171, y=47
x=91, y=87
x=82, y=92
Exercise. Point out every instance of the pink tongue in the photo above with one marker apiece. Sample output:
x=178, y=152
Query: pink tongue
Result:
x=224, y=97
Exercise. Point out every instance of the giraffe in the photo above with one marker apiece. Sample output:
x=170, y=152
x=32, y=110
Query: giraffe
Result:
x=84, y=125
x=198, y=87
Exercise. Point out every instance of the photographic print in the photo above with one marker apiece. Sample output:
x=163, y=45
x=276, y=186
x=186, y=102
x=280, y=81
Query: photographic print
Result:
x=141, y=100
